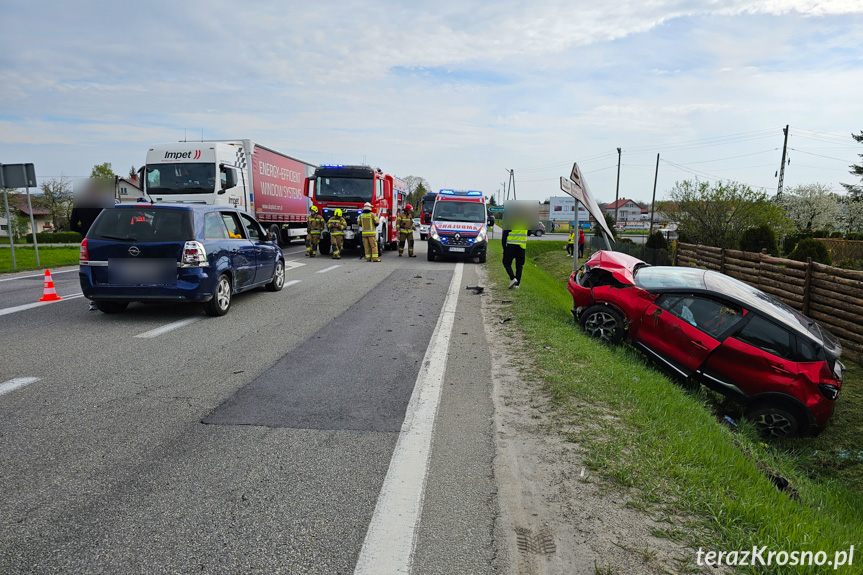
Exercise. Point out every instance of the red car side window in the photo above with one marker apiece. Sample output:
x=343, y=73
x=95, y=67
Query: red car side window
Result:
x=767, y=336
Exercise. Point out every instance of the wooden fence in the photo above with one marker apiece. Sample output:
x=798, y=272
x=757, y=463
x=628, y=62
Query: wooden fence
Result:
x=831, y=296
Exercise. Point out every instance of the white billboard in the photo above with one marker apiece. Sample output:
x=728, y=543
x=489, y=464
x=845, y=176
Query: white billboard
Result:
x=562, y=209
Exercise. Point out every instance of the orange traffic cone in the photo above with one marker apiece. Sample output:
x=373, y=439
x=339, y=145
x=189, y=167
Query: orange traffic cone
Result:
x=48, y=291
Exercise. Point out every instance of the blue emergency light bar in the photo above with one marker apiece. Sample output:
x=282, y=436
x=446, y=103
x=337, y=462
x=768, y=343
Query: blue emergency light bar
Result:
x=460, y=193
x=332, y=165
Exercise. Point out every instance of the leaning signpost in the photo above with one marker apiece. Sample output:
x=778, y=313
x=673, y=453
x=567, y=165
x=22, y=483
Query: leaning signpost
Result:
x=576, y=187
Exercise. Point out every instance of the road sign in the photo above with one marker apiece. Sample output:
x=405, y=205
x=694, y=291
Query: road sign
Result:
x=495, y=209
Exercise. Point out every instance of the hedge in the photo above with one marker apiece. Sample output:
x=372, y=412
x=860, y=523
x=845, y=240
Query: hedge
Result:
x=54, y=238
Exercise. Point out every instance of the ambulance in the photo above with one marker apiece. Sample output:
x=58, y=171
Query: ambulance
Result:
x=459, y=226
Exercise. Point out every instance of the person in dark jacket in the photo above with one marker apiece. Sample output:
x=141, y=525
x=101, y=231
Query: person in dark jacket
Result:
x=86, y=209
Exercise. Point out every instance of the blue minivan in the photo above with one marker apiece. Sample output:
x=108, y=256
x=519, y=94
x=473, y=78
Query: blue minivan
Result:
x=176, y=252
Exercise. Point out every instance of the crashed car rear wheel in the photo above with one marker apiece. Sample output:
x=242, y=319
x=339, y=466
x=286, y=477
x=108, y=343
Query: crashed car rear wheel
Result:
x=774, y=421
x=603, y=322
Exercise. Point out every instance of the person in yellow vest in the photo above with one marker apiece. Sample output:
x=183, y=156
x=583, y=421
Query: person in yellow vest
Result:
x=337, y=226
x=369, y=226
x=315, y=226
x=405, y=226
x=514, y=244
x=570, y=243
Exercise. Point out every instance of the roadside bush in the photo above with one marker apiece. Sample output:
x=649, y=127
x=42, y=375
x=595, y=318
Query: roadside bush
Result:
x=54, y=238
x=683, y=237
x=820, y=234
x=811, y=248
x=851, y=265
x=791, y=240
x=625, y=241
x=854, y=236
x=835, y=234
x=656, y=241
x=758, y=238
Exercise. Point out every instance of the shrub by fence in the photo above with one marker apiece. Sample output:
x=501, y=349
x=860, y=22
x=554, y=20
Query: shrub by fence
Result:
x=54, y=238
x=831, y=296
x=840, y=249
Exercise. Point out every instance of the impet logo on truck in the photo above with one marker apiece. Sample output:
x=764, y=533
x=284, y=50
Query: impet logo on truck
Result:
x=190, y=155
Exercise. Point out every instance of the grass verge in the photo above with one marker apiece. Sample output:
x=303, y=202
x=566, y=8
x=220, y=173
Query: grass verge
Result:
x=663, y=443
x=49, y=257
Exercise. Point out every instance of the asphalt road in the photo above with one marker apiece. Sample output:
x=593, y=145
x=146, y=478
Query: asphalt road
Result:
x=164, y=441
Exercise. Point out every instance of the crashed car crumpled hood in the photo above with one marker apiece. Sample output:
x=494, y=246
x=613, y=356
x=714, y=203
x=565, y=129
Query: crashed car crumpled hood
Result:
x=621, y=266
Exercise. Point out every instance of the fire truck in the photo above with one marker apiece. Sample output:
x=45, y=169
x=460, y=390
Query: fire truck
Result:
x=348, y=188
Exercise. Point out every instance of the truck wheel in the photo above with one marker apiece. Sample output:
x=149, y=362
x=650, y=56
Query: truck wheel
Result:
x=324, y=248
x=277, y=231
x=221, y=300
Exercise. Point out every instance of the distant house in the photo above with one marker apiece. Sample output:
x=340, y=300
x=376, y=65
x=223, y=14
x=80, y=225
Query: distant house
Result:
x=627, y=210
x=18, y=208
x=128, y=189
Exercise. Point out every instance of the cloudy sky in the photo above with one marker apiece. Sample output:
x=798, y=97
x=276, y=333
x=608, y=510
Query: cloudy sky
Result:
x=454, y=91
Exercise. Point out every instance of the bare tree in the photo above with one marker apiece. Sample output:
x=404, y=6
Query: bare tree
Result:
x=57, y=197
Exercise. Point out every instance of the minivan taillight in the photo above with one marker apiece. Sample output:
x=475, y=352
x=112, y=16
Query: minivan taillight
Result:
x=194, y=254
x=83, y=254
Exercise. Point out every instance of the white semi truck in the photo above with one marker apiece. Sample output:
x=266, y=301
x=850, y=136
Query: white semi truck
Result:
x=239, y=173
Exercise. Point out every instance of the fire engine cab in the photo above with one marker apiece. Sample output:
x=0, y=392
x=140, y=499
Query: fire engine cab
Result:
x=348, y=188
x=459, y=225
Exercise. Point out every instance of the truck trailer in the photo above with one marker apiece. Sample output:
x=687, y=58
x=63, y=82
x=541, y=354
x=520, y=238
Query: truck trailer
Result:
x=238, y=173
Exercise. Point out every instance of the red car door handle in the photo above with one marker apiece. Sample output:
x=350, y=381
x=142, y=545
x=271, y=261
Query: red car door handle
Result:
x=699, y=345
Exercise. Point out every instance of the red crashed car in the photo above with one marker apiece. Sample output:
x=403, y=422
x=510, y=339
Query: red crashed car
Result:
x=781, y=366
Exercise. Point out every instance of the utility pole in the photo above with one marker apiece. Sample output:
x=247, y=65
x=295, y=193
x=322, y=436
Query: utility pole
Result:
x=617, y=188
x=511, y=184
x=503, y=195
x=653, y=202
x=782, y=167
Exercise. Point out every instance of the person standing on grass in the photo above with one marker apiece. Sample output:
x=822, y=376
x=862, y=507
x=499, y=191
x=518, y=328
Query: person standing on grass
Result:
x=581, y=243
x=514, y=244
x=569, y=243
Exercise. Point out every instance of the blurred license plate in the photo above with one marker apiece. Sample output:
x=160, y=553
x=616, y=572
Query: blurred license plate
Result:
x=456, y=249
x=143, y=271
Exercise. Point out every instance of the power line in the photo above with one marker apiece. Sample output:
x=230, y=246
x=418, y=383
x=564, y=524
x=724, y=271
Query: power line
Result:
x=821, y=155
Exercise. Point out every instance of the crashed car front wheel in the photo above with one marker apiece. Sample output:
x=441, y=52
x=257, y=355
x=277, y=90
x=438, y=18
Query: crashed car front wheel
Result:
x=603, y=322
x=774, y=421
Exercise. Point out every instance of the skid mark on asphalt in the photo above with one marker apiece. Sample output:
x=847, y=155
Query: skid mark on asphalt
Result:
x=169, y=327
x=16, y=383
x=357, y=372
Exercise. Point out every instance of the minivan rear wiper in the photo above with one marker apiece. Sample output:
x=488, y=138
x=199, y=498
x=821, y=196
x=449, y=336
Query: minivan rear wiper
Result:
x=121, y=238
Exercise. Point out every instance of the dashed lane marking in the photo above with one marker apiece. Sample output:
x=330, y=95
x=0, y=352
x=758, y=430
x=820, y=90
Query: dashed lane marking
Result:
x=16, y=383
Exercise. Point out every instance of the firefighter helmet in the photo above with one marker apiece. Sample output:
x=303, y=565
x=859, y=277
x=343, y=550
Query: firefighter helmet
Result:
x=367, y=206
x=409, y=207
x=314, y=208
x=338, y=213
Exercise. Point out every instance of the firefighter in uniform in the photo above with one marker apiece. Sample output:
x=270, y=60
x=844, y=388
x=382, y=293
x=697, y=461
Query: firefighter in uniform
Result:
x=337, y=226
x=315, y=227
x=405, y=226
x=369, y=226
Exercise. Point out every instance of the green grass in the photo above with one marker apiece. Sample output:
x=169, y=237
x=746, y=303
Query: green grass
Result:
x=49, y=257
x=662, y=442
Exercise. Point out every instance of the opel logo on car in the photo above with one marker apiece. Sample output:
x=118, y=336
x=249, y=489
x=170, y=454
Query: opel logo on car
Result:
x=134, y=251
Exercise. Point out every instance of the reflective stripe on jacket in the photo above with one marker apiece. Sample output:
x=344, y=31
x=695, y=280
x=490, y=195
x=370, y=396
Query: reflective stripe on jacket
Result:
x=317, y=223
x=337, y=225
x=368, y=223
x=517, y=238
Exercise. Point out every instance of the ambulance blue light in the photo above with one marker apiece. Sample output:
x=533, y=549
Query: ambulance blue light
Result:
x=332, y=165
x=447, y=192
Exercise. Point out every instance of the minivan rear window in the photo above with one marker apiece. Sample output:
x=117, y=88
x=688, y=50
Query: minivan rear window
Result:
x=142, y=224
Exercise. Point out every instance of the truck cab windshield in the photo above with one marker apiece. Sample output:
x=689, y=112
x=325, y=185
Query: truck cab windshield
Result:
x=455, y=211
x=198, y=178
x=329, y=189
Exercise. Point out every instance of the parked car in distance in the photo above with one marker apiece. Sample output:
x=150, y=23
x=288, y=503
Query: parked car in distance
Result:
x=177, y=252
x=422, y=228
x=702, y=325
x=537, y=230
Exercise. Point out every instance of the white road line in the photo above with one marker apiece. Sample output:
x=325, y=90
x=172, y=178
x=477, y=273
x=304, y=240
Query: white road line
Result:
x=391, y=537
x=291, y=283
x=329, y=269
x=169, y=327
x=27, y=306
x=38, y=275
x=293, y=264
x=14, y=384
